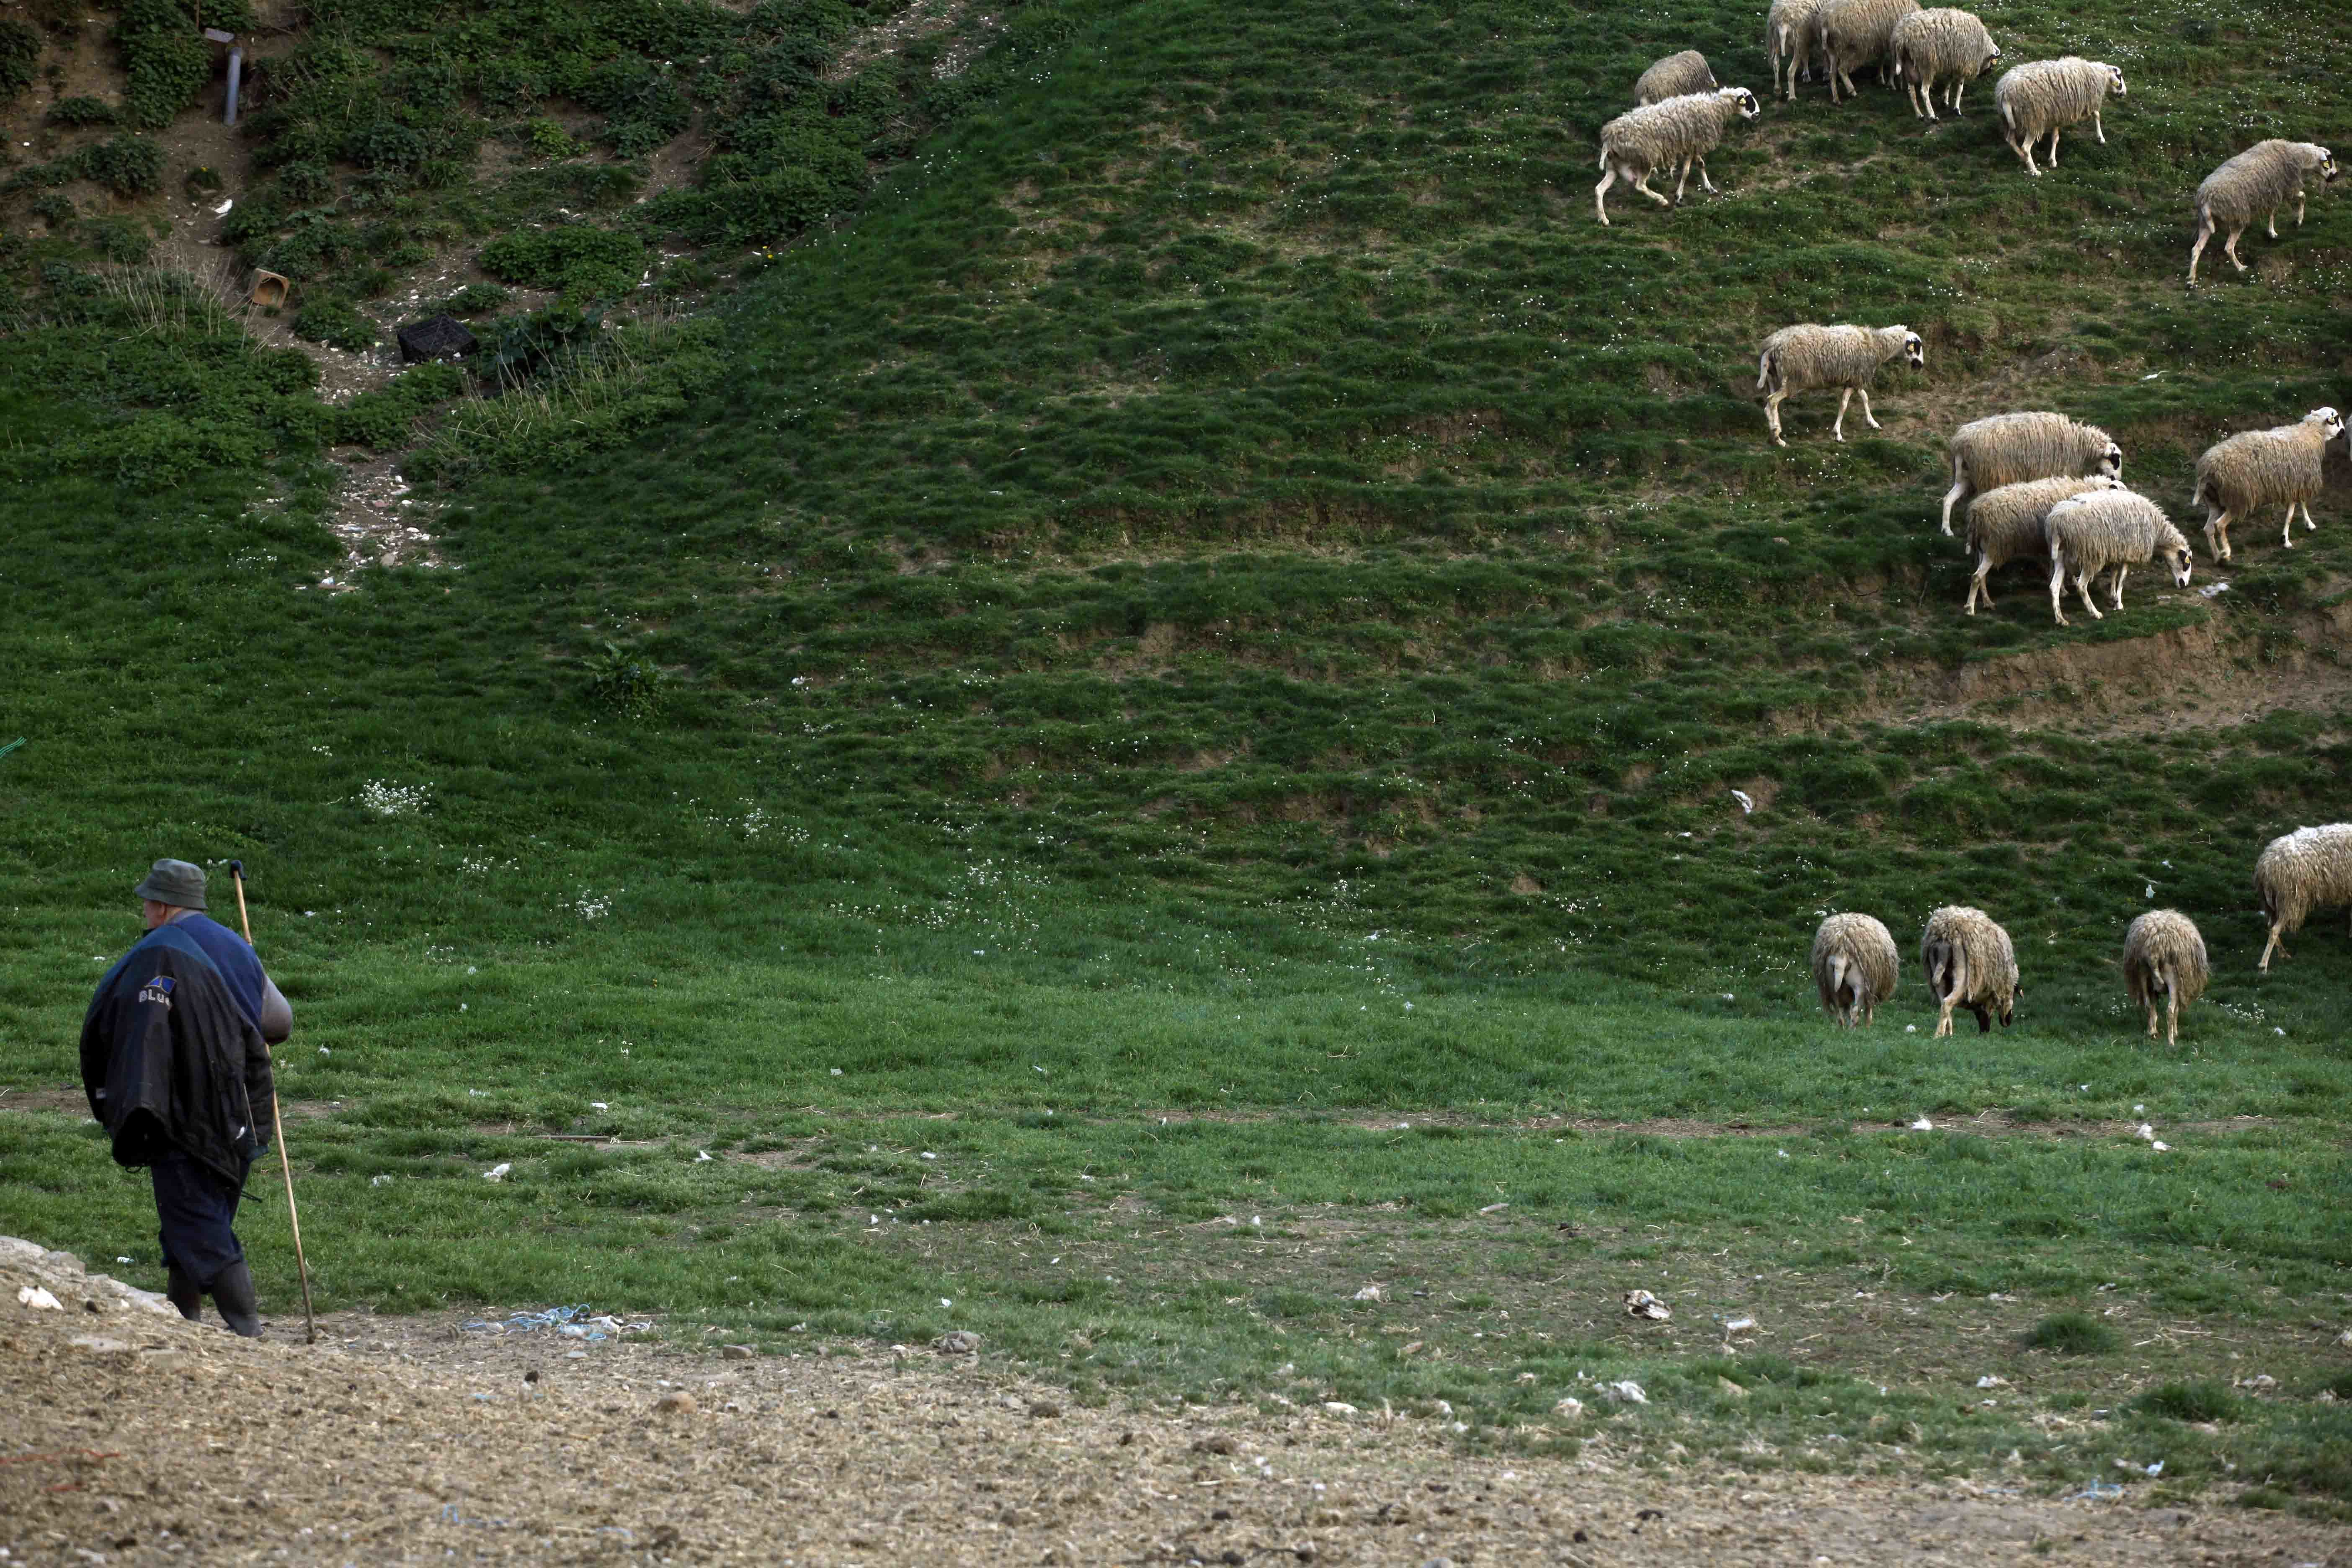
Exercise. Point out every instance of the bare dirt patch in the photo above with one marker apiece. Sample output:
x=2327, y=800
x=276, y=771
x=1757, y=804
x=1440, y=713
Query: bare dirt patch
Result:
x=139, y=1438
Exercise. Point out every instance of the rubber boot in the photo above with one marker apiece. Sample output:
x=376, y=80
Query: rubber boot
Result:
x=186, y=1294
x=233, y=1294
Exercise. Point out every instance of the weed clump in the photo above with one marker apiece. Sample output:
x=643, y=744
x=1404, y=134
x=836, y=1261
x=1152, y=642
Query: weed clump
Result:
x=2203, y=1400
x=2072, y=1334
x=20, y=55
x=584, y=261
x=622, y=684
x=336, y=324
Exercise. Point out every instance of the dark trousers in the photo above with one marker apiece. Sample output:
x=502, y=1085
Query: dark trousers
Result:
x=195, y=1206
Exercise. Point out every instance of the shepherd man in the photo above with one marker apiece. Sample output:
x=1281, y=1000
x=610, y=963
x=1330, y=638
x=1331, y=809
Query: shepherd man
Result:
x=174, y=1063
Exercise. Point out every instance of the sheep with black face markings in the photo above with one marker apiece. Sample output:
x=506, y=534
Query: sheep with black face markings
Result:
x=1674, y=134
x=2009, y=448
x=2043, y=98
x=1969, y=963
x=2263, y=467
x=2101, y=528
x=1789, y=37
x=1677, y=76
x=2164, y=955
x=2298, y=872
x=1931, y=45
x=2010, y=524
x=1801, y=358
x=1855, y=967
x=2255, y=185
x=1851, y=34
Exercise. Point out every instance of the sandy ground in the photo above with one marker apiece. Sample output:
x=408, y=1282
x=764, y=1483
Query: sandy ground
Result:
x=130, y=1436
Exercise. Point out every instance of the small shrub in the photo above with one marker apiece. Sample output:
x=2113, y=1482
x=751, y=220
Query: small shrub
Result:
x=2201, y=1401
x=548, y=139
x=201, y=180
x=305, y=184
x=20, y=57
x=167, y=62
x=332, y=320
x=581, y=259
x=81, y=111
x=122, y=240
x=54, y=208
x=127, y=165
x=622, y=684
x=2072, y=1334
x=475, y=298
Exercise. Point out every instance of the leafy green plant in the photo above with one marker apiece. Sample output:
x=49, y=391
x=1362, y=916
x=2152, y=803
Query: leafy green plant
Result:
x=165, y=61
x=127, y=165
x=548, y=139
x=81, y=111
x=331, y=320
x=20, y=56
x=476, y=299
x=623, y=684
x=2199, y=1400
x=581, y=259
x=2072, y=1334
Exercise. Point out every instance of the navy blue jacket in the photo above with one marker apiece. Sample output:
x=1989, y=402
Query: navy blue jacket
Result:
x=170, y=1059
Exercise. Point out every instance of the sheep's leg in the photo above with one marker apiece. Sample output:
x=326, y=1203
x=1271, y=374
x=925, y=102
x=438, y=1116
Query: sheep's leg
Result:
x=2204, y=233
x=1601, y=195
x=2265, y=966
x=2217, y=536
x=2308, y=524
x=2058, y=589
x=1984, y=1018
x=2053, y=146
x=1953, y=497
x=1867, y=416
x=1703, y=180
x=1642, y=185
x=2099, y=128
x=2298, y=211
x=2229, y=249
x=2025, y=151
x=1944, y=1018
x=1772, y=416
x=1959, y=88
x=1911, y=90
x=2083, y=592
x=2119, y=587
x=1838, y=429
x=1682, y=181
x=2171, y=1017
x=2288, y=537
x=2270, y=222
x=1977, y=583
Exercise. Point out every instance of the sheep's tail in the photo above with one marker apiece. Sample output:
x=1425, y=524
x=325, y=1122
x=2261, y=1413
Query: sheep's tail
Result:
x=2009, y=118
x=1764, y=369
x=2198, y=497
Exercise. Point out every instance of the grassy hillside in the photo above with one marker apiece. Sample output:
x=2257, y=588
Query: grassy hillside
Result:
x=1220, y=589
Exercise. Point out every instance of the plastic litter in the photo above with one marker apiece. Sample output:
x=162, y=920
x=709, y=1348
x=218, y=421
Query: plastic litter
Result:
x=2097, y=1492
x=497, y=1172
x=1625, y=1393
x=1642, y=1304
x=572, y=1322
x=1747, y=802
x=1369, y=1293
x=1572, y=1407
x=1923, y=1125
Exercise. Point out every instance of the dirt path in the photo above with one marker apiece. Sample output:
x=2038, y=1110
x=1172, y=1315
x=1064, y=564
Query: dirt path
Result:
x=133, y=1437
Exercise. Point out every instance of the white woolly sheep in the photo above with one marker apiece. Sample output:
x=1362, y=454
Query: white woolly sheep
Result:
x=1677, y=133
x=2164, y=956
x=1932, y=46
x=2010, y=523
x=1677, y=76
x=2099, y=528
x=2009, y=448
x=2263, y=467
x=1801, y=358
x=1789, y=37
x=2043, y=98
x=1851, y=34
x=2255, y=185
x=2310, y=868
x=1854, y=967
x=1969, y=963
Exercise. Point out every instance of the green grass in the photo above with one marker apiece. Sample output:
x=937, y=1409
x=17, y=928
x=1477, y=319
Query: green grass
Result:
x=1213, y=614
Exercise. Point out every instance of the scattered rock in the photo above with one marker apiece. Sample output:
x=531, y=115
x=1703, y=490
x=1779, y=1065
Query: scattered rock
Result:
x=1625, y=1393
x=1215, y=1443
x=960, y=1342
x=1338, y=1408
x=1369, y=1293
x=1570, y=1407
x=100, y=1345
x=735, y=1353
x=37, y=1299
x=1729, y=1389
x=676, y=1403
x=1044, y=1409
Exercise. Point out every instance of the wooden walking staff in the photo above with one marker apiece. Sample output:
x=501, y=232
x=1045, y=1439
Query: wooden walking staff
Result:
x=293, y=1219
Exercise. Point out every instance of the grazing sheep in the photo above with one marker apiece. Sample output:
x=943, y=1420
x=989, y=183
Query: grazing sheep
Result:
x=2043, y=98
x=1931, y=45
x=2255, y=185
x=1969, y=963
x=2099, y=528
x=1677, y=76
x=1800, y=358
x=2009, y=523
x=1678, y=133
x=2164, y=956
x=2259, y=468
x=2008, y=449
x=1855, y=967
x=1849, y=33
x=1789, y=36
x=2301, y=872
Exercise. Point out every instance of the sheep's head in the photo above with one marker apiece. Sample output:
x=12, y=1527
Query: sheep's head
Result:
x=1914, y=350
x=2105, y=482
x=1749, y=108
x=2111, y=462
x=2327, y=419
x=2327, y=163
x=2176, y=561
x=2115, y=80
x=1992, y=53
